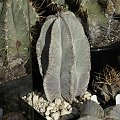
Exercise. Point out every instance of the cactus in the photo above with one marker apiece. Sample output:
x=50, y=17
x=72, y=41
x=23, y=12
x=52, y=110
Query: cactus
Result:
x=15, y=23
x=2, y=24
x=113, y=112
x=91, y=108
x=89, y=118
x=63, y=54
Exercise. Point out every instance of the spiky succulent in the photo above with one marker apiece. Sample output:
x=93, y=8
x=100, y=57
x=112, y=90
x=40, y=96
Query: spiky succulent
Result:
x=16, y=18
x=91, y=110
x=63, y=54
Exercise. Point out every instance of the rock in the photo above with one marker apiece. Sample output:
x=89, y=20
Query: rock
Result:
x=94, y=98
x=55, y=116
x=57, y=102
x=47, y=113
x=48, y=118
x=65, y=104
x=42, y=109
x=35, y=98
x=64, y=112
x=52, y=104
x=87, y=95
x=117, y=98
x=69, y=107
x=49, y=108
x=55, y=109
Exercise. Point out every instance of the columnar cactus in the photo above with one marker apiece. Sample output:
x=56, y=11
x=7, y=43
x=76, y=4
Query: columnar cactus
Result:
x=14, y=27
x=63, y=54
x=16, y=18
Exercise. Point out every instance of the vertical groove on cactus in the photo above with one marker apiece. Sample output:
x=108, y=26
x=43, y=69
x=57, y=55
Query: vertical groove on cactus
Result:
x=52, y=77
x=82, y=53
x=67, y=74
x=42, y=46
x=67, y=64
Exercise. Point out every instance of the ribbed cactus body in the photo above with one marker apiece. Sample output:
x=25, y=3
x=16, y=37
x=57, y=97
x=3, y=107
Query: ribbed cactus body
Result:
x=2, y=28
x=14, y=28
x=63, y=54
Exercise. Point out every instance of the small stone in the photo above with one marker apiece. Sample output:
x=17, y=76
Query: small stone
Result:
x=55, y=116
x=48, y=118
x=65, y=104
x=30, y=102
x=55, y=109
x=64, y=112
x=87, y=95
x=29, y=96
x=42, y=109
x=52, y=104
x=94, y=98
x=24, y=97
x=70, y=110
x=57, y=102
x=69, y=107
x=47, y=113
x=41, y=99
x=49, y=108
x=35, y=98
x=117, y=99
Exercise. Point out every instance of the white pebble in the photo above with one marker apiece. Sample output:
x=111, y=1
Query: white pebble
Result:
x=24, y=97
x=29, y=96
x=41, y=99
x=35, y=98
x=65, y=104
x=69, y=107
x=55, y=109
x=64, y=112
x=117, y=98
x=48, y=118
x=50, y=108
x=87, y=95
x=57, y=102
x=55, y=116
x=52, y=104
x=94, y=98
x=47, y=113
x=70, y=110
x=30, y=102
x=42, y=109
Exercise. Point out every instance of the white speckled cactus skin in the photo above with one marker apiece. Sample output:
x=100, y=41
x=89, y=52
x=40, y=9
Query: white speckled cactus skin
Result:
x=63, y=54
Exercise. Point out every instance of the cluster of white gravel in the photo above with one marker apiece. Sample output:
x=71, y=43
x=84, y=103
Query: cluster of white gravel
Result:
x=50, y=110
x=56, y=109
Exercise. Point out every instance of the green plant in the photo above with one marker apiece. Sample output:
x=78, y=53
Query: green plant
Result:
x=16, y=18
x=91, y=110
x=63, y=54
